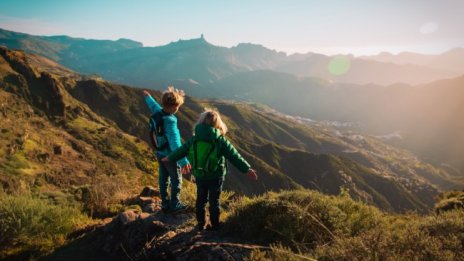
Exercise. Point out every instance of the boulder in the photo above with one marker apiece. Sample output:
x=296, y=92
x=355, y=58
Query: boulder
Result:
x=149, y=191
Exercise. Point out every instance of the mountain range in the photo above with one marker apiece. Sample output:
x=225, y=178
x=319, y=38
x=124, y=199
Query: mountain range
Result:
x=99, y=129
x=249, y=72
x=199, y=61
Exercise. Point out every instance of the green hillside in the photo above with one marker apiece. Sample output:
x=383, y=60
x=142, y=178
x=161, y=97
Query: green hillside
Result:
x=286, y=153
x=74, y=150
x=56, y=147
x=254, y=73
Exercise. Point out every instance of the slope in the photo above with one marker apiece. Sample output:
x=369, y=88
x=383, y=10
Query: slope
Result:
x=55, y=146
x=286, y=153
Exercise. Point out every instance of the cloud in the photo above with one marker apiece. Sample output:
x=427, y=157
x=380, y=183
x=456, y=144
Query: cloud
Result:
x=31, y=26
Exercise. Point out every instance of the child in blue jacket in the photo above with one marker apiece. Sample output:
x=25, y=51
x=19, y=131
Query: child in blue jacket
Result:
x=171, y=100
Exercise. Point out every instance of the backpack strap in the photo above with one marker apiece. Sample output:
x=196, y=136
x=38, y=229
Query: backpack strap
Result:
x=157, y=129
x=195, y=157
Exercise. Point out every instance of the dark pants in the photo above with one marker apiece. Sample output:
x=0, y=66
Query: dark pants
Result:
x=208, y=189
x=168, y=173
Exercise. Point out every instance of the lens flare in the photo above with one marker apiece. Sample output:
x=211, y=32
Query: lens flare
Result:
x=429, y=28
x=339, y=65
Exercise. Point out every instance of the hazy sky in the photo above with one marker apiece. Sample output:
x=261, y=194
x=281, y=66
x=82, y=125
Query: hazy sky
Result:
x=324, y=26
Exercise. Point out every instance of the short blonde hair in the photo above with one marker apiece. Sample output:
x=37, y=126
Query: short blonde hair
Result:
x=172, y=97
x=213, y=118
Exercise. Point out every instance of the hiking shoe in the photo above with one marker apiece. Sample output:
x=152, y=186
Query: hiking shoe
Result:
x=179, y=207
x=201, y=227
x=214, y=227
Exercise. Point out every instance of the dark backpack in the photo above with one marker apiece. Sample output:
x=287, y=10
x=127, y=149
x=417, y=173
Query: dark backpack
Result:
x=204, y=157
x=158, y=139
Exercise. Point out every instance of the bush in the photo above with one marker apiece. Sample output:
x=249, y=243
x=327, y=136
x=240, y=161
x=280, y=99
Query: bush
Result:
x=34, y=225
x=300, y=219
x=338, y=228
x=104, y=195
x=449, y=201
x=403, y=238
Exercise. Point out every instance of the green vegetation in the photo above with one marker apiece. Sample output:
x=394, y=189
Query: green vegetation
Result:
x=85, y=159
x=35, y=226
x=313, y=225
x=450, y=201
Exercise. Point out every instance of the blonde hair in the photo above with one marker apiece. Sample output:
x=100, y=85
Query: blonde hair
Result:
x=172, y=97
x=213, y=118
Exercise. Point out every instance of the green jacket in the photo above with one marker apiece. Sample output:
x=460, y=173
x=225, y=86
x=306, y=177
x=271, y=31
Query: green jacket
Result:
x=226, y=150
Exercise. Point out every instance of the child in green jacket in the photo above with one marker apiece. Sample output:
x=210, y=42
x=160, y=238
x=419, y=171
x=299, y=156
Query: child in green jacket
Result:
x=207, y=151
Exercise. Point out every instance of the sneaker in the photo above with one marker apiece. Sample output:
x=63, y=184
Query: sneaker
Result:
x=214, y=227
x=179, y=207
x=201, y=227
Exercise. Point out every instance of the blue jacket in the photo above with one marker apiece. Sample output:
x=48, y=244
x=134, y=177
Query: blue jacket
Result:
x=170, y=129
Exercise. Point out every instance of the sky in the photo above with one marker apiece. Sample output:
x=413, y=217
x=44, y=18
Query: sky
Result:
x=360, y=27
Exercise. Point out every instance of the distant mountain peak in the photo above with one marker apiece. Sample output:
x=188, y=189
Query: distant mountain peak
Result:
x=195, y=42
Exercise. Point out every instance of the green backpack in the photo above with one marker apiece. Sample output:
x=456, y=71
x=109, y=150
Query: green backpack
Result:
x=204, y=157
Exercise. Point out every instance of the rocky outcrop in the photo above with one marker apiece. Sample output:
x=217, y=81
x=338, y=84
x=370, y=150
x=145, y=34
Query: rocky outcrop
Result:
x=153, y=235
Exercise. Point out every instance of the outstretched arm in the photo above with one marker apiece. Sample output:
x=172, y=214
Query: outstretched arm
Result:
x=238, y=161
x=234, y=157
x=152, y=104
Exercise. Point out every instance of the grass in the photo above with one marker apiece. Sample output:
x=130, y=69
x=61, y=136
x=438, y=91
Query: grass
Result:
x=449, y=201
x=34, y=226
x=303, y=224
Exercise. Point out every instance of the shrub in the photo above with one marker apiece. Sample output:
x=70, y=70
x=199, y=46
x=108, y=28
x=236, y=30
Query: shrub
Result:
x=403, y=238
x=338, y=228
x=300, y=219
x=34, y=225
x=105, y=194
x=449, y=201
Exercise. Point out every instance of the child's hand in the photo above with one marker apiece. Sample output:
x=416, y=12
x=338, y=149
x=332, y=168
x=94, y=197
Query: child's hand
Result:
x=146, y=93
x=186, y=169
x=252, y=174
x=165, y=159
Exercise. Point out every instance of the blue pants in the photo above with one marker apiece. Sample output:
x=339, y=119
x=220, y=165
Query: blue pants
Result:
x=168, y=173
x=208, y=190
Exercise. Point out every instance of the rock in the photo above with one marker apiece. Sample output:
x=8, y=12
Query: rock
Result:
x=151, y=208
x=149, y=191
x=144, y=215
x=127, y=216
x=157, y=224
x=145, y=200
x=169, y=235
x=154, y=227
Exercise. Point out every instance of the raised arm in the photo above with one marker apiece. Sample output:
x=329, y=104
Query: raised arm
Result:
x=152, y=104
x=173, y=136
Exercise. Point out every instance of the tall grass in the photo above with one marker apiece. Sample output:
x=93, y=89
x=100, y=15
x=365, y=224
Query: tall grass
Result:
x=306, y=224
x=34, y=226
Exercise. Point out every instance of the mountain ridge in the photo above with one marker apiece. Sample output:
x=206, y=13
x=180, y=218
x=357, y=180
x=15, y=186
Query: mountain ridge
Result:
x=254, y=132
x=206, y=65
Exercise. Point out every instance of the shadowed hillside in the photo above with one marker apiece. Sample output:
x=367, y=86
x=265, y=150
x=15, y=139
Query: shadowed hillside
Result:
x=56, y=145
x=287, y=154
x=74, y=146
